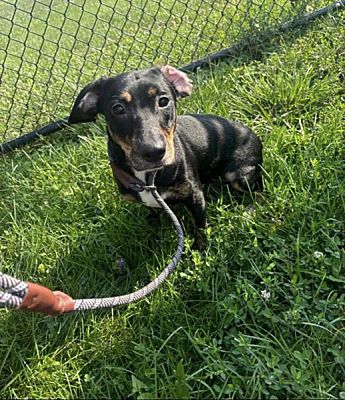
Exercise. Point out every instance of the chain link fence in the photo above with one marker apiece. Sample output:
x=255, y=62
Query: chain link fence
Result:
x=49, y=49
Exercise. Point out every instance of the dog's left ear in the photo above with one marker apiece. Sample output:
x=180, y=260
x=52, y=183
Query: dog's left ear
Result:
x=182, y=84
x=86, y=107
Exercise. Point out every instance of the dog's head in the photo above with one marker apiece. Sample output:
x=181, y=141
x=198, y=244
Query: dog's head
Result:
x=140, y=112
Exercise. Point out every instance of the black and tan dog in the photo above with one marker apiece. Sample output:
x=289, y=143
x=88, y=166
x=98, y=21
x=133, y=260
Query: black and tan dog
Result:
x=145, y=134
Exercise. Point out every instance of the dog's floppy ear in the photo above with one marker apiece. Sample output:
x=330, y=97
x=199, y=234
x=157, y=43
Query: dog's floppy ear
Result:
x=86, y=106
x=182, y=84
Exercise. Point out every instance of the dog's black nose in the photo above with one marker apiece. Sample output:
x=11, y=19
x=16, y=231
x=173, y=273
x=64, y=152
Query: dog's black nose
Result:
x=153, y=153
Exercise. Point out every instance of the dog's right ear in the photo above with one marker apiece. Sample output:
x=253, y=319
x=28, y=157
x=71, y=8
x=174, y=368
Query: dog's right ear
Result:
x=86, y=106
x=182, y=84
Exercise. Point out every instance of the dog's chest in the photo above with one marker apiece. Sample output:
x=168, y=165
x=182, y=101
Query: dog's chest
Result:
x=177, y=192
x=145, y=196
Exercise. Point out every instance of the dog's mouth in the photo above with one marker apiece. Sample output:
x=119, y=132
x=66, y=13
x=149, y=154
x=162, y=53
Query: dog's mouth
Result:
x=141, y=165
x=141, y=162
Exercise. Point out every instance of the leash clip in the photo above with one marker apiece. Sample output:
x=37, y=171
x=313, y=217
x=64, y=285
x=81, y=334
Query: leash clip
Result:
x=150, y=188
x=138, y=187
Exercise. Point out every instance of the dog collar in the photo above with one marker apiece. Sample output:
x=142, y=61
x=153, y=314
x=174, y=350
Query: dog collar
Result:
x=129, y=181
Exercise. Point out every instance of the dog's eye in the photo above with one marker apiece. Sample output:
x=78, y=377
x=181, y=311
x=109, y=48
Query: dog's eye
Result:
x=163, y=102
x=118, y=109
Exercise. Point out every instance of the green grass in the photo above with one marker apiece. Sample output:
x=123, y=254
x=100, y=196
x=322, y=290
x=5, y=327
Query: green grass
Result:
x=208, y=332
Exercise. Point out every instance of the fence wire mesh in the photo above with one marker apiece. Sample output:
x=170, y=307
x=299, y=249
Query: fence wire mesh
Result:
x=49, y=49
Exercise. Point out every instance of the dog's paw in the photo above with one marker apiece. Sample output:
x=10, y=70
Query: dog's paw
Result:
x=200, y=241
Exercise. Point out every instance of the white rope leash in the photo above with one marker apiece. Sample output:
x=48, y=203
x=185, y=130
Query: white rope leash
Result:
x=13, y=291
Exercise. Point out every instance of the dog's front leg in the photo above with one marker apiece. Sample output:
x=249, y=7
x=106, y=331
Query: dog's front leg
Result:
x=197, y=207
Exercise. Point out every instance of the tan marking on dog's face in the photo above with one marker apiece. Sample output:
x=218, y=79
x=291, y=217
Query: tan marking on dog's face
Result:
x=126, y=96
x=126, y=147
x=170, y=148
x=152, y=92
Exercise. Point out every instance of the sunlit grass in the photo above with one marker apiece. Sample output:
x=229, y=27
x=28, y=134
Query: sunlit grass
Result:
x=260, y=314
